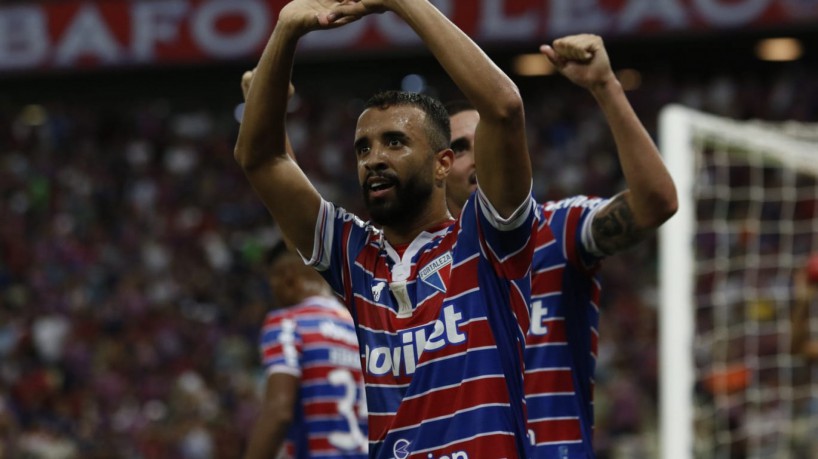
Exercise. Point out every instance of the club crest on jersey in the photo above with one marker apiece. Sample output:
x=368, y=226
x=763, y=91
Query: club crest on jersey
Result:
x=430, y=274
x=377, y=288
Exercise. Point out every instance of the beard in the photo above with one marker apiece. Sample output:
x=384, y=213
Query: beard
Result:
x=410, y=199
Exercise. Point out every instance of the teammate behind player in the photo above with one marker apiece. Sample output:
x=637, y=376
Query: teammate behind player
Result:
x=440, y=305
x=314, y=404
x=577, y=232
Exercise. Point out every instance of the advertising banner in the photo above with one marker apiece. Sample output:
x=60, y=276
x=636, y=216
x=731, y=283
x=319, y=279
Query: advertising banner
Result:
x=87, y=34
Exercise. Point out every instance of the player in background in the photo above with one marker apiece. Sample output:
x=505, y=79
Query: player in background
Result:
x=440, y=305
x=576, y=233
x=314, y=403
x=805, y=291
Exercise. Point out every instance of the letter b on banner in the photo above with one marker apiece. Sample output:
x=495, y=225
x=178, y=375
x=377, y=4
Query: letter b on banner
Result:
x=23, y=37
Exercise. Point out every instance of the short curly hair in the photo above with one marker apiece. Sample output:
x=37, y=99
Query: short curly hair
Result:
x=438, y=129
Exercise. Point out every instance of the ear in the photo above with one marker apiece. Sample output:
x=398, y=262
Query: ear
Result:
x=292, y=280
x=443, y=163
x=288, y=289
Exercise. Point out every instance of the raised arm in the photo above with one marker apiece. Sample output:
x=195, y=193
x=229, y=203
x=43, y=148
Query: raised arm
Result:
x=261, y=148
x=501, y=154
x=246, y=81
x=651, y=195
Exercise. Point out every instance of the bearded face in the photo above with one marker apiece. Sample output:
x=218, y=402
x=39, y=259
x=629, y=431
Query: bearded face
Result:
x=396, y=164
x=395, y=201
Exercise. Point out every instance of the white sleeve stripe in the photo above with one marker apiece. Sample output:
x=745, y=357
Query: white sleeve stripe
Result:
x=324, y=233
x=514, y=221
x=287, y=339
x=284, y=369
x=587, y=234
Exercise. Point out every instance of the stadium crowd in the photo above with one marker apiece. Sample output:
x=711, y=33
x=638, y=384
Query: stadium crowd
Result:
x=131, y=281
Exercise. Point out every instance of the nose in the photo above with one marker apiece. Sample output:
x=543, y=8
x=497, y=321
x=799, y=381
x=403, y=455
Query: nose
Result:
x=375, y=160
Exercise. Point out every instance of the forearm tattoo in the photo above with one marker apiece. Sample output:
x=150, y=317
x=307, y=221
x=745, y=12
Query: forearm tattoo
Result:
x=614, y=227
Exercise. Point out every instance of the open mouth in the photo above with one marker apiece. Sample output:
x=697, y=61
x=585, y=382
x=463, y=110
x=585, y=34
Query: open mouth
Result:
x=377, y=187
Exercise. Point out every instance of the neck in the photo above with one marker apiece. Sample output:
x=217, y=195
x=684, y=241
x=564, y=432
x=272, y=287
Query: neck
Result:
x=404, y=234
x=454, y=207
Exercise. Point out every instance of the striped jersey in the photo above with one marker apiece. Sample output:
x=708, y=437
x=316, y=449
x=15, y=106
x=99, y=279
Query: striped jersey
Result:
x=561, y=346
x=441, y=329
x=315, y=341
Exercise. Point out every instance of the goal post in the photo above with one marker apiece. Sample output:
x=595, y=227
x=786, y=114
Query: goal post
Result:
x=748, y=217
x=676, y=292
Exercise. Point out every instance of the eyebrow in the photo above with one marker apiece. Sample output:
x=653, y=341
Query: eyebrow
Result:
x=360, y=143
x=364, y=141
x=460, y=143
x=395, y=134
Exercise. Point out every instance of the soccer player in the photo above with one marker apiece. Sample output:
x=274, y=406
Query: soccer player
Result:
x=576, y=233
x=314, y=404
x=440, y=304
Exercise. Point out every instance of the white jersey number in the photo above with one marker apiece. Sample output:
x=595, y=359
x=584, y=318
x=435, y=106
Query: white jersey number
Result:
x=353, y=439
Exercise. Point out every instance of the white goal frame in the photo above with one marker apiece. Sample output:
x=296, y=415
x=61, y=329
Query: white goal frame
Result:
x=677, y=129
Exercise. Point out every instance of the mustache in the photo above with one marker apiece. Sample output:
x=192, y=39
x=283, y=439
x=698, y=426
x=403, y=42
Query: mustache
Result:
x=386, y=175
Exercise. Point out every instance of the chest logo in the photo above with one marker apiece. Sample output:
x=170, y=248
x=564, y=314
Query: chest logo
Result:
x=377, y=288
x=430, y=274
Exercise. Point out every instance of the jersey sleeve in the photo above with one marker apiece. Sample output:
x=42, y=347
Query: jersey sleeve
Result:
x=339, y=235
x=506, y=242
x=281, y=345
x=570, y=221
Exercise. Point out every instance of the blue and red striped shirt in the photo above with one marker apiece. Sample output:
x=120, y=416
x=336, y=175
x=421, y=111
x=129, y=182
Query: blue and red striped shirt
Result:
x=315, y=341
x=561, y=346
x=441, y=329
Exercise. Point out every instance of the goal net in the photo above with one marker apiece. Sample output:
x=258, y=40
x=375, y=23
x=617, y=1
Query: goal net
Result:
x=730, y=385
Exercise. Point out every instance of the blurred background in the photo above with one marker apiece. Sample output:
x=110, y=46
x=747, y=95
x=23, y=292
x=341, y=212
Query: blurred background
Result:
x=131, y=245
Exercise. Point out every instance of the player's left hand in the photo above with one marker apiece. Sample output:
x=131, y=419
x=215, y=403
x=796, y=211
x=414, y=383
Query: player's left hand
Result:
x=247, y=80
x=304, y=16
x=582, y=59
x=356, y=9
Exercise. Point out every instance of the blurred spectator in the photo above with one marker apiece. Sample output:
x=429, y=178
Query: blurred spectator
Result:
x=805, y=291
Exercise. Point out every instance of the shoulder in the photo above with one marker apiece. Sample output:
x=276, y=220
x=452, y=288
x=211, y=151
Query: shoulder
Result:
x=277, y=315
x=279, y=321
x=344, y=216
x=320, y=308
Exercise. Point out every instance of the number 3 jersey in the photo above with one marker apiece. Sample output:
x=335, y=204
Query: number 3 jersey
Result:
x=441, y=325
x=315, y=341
